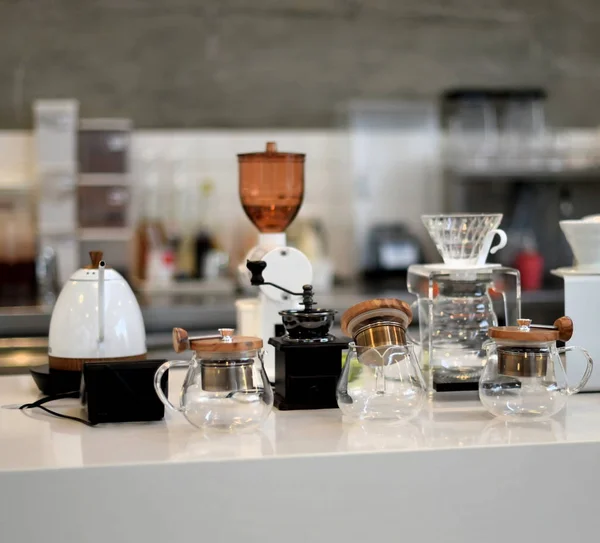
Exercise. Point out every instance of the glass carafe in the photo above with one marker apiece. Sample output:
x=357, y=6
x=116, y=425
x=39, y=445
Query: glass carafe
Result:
x=456, y=310
x=461, y=316
x=381, y=383
x=226, y=387
x=381, y=378
x=524, y=375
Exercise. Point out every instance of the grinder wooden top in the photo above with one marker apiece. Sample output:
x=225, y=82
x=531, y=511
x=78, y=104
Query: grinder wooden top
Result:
x=214, y=344
x=377, y=304
x=563, y=330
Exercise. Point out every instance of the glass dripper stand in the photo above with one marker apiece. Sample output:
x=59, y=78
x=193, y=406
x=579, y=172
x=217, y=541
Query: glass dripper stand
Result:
x=455, y=310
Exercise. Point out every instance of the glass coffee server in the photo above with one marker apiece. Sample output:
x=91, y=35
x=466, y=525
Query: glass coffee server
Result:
x=460, y=299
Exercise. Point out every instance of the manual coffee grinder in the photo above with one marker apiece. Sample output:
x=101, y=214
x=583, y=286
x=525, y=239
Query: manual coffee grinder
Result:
x=456, y=299
x=308, y=359
x=271, y=186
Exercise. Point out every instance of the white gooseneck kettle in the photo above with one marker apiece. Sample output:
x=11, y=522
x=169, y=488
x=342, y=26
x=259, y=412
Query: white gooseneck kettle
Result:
x=96, y=317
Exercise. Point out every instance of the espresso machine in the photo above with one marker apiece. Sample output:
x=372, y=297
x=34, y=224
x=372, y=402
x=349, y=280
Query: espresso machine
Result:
x=271, y=186
x=456, y=299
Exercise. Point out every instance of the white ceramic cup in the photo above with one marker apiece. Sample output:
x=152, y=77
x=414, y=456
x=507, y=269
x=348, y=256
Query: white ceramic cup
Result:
x=584, y=239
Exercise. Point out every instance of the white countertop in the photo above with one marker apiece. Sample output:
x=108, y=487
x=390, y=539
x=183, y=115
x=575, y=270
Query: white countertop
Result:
x=455, y=461
x=34, y=440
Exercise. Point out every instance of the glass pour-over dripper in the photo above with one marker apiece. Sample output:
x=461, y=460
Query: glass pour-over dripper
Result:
x=464, y=241
x=271, y=187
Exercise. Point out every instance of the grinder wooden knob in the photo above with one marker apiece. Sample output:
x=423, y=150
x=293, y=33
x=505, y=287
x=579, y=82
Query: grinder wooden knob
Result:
x=181, y=340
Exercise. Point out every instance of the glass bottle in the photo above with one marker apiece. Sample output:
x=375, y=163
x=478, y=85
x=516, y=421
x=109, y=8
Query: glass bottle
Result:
x=524, y=375
x=226, y=387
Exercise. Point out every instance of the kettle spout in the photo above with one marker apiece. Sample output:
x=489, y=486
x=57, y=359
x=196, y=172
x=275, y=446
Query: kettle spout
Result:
x=101, y=308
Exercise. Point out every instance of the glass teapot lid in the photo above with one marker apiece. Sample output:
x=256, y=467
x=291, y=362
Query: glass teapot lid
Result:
x=379, y=310
x=222, y=343
x=377, y=323
x=526, y=332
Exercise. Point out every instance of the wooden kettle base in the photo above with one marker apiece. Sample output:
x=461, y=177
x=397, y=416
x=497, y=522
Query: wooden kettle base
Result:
x=76, y=364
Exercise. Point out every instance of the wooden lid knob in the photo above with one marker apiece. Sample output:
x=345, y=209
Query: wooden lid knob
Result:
x=181, y=341
x=96, y=258
x=564, y=325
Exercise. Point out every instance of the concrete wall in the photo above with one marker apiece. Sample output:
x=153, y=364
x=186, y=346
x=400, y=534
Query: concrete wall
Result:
x=288, y=63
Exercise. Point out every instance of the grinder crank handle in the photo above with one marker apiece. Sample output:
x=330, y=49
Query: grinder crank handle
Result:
x=257, y=267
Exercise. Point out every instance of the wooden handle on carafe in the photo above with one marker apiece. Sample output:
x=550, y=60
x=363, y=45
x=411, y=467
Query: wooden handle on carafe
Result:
x=564, y=325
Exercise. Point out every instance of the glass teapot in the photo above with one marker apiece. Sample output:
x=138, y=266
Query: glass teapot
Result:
x=524, y=375
x=226, y=386
x=381, y=378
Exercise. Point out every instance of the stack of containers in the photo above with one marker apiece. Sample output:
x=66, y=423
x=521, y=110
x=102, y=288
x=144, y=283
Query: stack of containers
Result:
x=104, y=196
x=55, y=136
x=84, y=199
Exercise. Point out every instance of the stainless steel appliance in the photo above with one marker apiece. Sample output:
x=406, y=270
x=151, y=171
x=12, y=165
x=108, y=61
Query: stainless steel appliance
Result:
x=391, y=249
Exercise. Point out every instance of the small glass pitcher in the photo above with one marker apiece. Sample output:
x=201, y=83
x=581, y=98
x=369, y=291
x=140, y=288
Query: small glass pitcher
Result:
x=381, y=378
x=226, y=386
x=524, y=375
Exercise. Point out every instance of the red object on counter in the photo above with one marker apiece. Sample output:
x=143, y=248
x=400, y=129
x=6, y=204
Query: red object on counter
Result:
x=531, y=266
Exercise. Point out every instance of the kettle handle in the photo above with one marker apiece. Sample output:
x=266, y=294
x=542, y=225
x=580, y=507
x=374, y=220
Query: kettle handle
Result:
x=101, y=303
x=588, y=369
x=158, y=379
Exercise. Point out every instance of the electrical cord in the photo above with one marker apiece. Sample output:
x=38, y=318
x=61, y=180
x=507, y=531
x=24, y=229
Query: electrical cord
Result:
x=39, y=405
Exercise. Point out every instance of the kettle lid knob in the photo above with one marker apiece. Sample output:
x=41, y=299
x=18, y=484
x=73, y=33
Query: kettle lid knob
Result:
x=96, y=258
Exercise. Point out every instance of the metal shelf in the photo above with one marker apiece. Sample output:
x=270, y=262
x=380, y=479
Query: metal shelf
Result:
x=539, y=175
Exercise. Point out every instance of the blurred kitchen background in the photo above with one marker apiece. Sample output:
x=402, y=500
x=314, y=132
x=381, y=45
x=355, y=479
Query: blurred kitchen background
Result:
x=120, y=121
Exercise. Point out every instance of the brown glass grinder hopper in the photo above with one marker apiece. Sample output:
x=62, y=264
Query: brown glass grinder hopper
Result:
x=308, y=360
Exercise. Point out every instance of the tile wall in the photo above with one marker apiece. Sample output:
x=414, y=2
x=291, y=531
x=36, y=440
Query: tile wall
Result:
x=211, y=155
x=352, y=181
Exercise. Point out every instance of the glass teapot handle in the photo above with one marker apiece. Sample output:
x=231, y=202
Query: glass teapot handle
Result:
x=588, y=369
x=158, y=378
